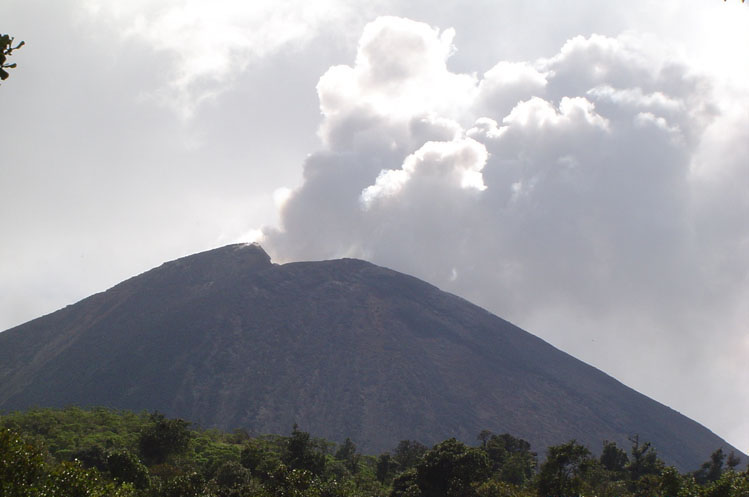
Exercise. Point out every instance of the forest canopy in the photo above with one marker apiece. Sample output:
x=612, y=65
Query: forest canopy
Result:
x=103, y=452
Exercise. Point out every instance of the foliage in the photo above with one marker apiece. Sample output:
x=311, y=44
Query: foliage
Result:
x=405, y=485
x=408, y=453
x=729, y=484
x=613, y=458
x=643, y=468
x=163, y=438
x=348, y=455
x=644, y=460
x=25, y=472
x=125, y=467
x=65, y=432
x=21, y=465
x=386, y=468
x=188, y=485
x=302, y=453
x=6, y=50
x=499, y=488
x=564, y=472
x=259, y=457
x=98, y=452
x=450, y=469
x=510, y=457
x=231, y=476
x=71, y=479
x=711, y=470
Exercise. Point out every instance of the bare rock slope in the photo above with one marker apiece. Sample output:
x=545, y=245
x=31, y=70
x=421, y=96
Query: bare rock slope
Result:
x=344, y=348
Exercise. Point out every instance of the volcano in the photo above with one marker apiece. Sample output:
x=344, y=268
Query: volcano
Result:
x=343, y=348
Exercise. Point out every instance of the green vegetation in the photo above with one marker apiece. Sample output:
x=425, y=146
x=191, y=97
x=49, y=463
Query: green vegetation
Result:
x=6, y=50
x=100, y=452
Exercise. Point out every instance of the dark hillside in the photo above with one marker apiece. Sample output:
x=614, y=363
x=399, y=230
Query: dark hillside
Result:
x=344, y=348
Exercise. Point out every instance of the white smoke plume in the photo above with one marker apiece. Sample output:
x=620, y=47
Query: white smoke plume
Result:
x=596, y=197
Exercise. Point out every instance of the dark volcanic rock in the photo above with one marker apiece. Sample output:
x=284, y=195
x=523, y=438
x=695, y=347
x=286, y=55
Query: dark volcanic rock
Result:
x=343, y=348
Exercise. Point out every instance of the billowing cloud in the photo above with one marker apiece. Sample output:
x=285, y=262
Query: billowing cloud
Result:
x=595, y=197
x=212, y=42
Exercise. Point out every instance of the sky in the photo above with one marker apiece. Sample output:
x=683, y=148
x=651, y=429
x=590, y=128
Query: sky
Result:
x=578, y=168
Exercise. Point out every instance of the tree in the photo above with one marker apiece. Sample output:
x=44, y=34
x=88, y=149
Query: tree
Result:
x=404, y=485
x=231, y=476
x=347, y=454
x=163, y=439
x=644, y=468
x=301, y=453
x=613, y=458
x=408, y=453
x=385, y=468
x=711, y=470
x=24, y=472
x=71, y=479
x=730, y=484
x=733, y=461
x=6, y=50
x=285, y=482
x=484, y=436
x=509, y=456
x=671, y=481
x=92, y=456
x=188, y=485
x=259, y=459
x=450, y=469
x=644, y=460
x=21, y=465
x=564, y=471
x=125, y=467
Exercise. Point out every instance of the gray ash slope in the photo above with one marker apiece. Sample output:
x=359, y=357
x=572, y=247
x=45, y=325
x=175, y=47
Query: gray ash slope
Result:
x=344, y=348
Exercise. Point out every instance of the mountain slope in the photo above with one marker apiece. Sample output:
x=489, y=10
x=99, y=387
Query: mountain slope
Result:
x=344, y=348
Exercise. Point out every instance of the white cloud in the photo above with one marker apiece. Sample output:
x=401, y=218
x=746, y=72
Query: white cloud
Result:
x=506, y=84
x=400, y=74
x=457, y=163
x=212, y=42
x=620, y=238
x=589, y=195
